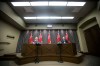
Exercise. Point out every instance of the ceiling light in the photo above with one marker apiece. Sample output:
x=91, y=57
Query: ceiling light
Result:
x=39, y=3
x=42, y=17
x=48, y=3
x=20, y=3
x=67, y=17
x=30, y=17
x=57, y=3
x=55, y=17
x=49, y=17
x=76, y=3
x=49, y=26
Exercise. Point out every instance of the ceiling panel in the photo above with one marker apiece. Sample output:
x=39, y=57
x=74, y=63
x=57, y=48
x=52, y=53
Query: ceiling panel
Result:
x=78, y=12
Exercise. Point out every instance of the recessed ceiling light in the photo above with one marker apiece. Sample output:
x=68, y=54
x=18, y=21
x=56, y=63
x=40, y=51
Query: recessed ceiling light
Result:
x=29, y=17
x=42, y=17
x=20, y=3
x=49, y=26
x=48, y=17
x=48, y=3
x=76, y=3
x=67, y=17
x=55, y=17
x=39, y=3
x=57, y=3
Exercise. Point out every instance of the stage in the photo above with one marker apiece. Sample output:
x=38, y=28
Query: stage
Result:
x=49, y=52
x=46, y=52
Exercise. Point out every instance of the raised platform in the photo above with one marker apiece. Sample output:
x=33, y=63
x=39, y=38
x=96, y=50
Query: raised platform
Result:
x=19, y=59
x=49, y=52
x=74, y=59
x=46, y=52
x=5, y=57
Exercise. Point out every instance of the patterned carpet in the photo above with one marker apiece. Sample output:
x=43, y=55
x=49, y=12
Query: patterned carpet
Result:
x=88, y=61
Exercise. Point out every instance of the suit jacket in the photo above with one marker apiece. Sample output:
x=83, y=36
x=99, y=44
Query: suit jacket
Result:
x=64, y=41
x=36, y=42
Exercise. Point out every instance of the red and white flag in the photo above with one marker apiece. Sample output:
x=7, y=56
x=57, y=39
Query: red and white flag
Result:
x=40, y=38
x=58, y=38
x=30, y=39
x=67, y=38
x=49, y=38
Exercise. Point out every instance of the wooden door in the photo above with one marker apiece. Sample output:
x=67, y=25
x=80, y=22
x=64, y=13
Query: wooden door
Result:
x=92, y=36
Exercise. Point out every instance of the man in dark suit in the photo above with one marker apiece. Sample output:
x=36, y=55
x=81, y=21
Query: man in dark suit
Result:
x=64, y=41
x=36, y=40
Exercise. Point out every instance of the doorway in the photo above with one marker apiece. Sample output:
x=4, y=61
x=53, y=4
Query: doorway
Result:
x=92, y=36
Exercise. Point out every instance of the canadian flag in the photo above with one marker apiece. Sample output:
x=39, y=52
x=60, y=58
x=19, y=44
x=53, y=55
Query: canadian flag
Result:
x=40, y=38
x=67, y=38
x=49, y=38
x=30, y=39
x=58, y=38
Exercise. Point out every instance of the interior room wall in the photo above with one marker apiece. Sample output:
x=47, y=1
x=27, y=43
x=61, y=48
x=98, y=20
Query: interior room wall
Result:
x=90, y=25
x=98, y=13
x=54, y=26
x=7, y=29
x=80, y=29
x=5, y=8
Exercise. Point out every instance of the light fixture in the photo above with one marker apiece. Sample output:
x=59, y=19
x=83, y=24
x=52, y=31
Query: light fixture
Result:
x=48, y=3
x=49, y=26
x=39, y=3
x=76, y=3
x=20, y=3
x=43, y=17
x=49, y=17
x=67, y=17
x=55, y=17
x=29, y=17
x=57, y=3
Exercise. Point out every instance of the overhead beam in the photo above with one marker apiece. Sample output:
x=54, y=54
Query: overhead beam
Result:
x=10, y=16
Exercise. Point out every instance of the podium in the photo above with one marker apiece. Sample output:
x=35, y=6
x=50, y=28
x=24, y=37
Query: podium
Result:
x=60, y=52
x=37, y=53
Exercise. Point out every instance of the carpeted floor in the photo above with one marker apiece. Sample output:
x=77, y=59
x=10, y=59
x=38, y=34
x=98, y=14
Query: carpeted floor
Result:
x=88, y=61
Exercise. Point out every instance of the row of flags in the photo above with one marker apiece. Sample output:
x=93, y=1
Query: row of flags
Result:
x=66, y=37
x=31, y=40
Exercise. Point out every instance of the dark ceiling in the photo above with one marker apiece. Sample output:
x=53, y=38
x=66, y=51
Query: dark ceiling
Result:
x=78, y=12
